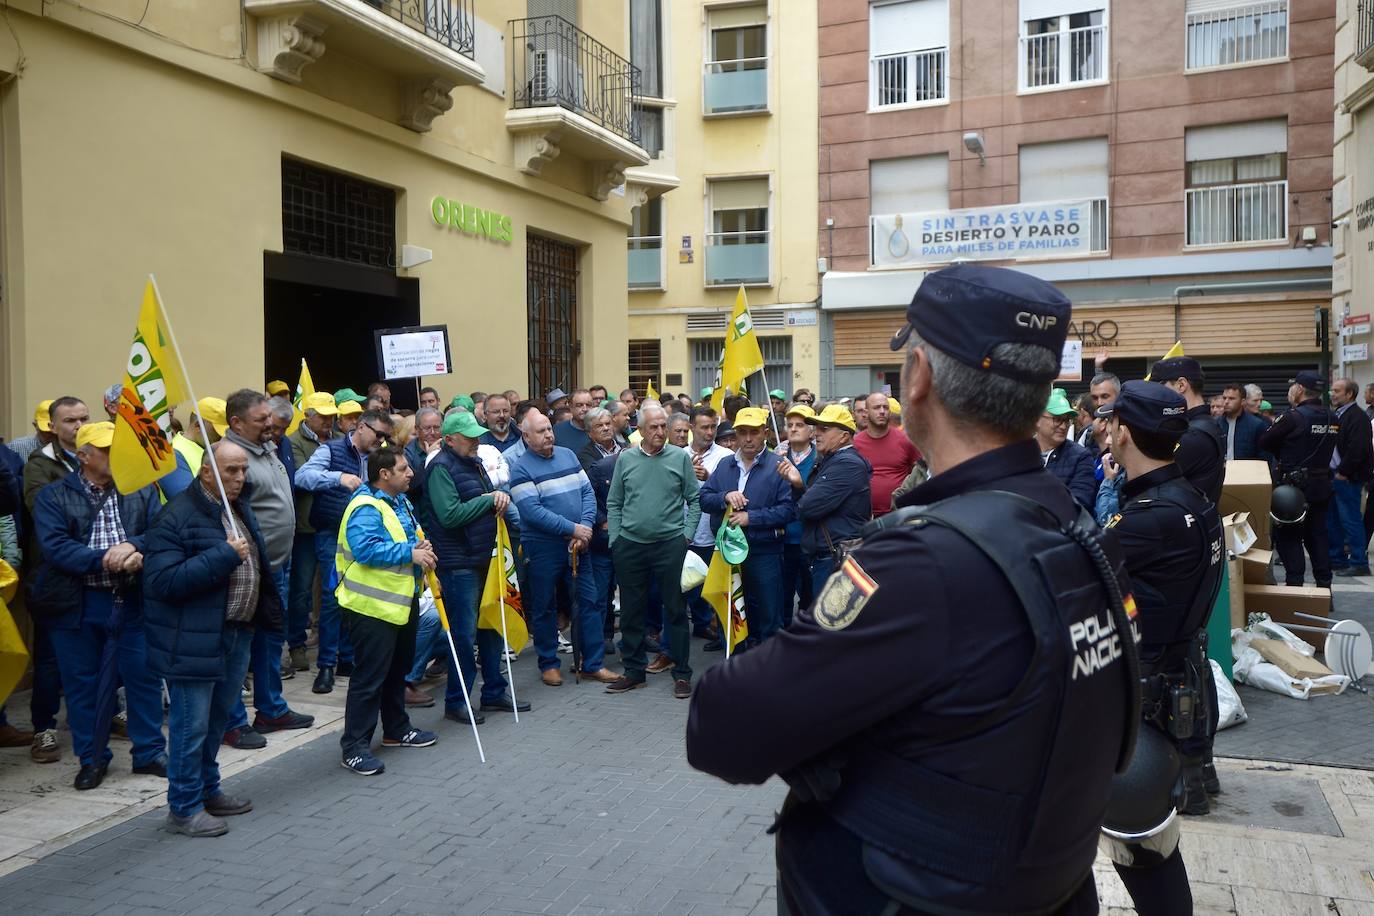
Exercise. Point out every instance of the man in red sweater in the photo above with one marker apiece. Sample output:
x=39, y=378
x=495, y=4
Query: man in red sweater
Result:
x=892, y=456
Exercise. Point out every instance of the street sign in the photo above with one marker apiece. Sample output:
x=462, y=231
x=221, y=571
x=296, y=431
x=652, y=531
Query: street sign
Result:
x=1354, y=353
x=1355, y=319
x=1351, y=330
x=804, y=318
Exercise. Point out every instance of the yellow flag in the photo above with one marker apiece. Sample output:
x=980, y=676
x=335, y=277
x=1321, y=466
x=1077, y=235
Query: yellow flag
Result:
x=304, y=388
x=502, y=584
x=1175, y=350
x=14, y=657
x=651, y=392
x=153, y=384
x=742, y=356
x=724, y=591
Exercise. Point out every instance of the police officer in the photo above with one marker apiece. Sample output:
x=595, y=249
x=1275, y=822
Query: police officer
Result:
x=947, y=718
x=1303, y=440
x=1202, y=450
x=1170, y=534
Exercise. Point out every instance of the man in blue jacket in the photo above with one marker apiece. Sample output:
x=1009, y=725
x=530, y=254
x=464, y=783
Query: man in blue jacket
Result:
x=208, y=584
x=759, y=500
x=1069, y=461
x=87, y=591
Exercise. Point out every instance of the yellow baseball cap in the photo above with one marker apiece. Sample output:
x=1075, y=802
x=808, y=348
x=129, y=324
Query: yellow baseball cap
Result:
x=751, y=417
x=350, y=408
x=800, y=410
x=894, y=407
x=322, y=402
x=277, y=386
x=40, y=416
x=211, y=410
x=834, y=415
x=101, y=434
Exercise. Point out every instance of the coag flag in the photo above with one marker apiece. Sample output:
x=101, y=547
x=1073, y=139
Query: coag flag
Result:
x=304, y=388
x=742, y=356
x=14, y=657
x=1175, y=350
x=502, y=590
x=724, y=591
x=154, y=382
x=651, y=392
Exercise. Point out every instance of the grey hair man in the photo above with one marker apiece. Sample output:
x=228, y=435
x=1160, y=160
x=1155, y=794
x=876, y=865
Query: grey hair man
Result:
x=1253, y=398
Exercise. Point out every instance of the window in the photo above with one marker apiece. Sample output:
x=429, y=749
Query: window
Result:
x=736, y=78
x=551, y=310
x=645, y=365
x=1069, y=170
x=646, y=53
x=329, y=214
x=646, y=245
x=1237, y=188
x=1222, y=33
x=908, y=44
x=737, y=241
x=898, y=187
x=777, y=366
x=1063, y=43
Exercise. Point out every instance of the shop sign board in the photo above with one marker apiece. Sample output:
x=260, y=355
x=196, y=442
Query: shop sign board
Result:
x=413, y=352
x=1071, y=362
x=470, y=220
x=1355, y=319
x=1057, y=229
x=802, y=318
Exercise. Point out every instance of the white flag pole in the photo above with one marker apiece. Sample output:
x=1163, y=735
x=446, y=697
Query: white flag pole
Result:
x=729, y=611
x=204, y=436
x=771, y=414
x=462, y=682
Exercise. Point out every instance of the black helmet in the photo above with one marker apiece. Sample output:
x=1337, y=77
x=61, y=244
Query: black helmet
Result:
x=1142, y=802
x=1287, y=505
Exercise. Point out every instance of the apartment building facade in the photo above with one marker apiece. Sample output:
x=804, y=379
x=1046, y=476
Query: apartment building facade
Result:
x=1168, y=165
x=1352, y=196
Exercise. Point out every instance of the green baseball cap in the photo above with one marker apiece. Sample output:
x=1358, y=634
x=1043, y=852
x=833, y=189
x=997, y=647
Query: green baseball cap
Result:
x=1059, y=404
x=733, y=544
x=1265, y=405
x=464, y=424
x=463, y=401
x=707, y=392
x=778, y=393
x=348, y=394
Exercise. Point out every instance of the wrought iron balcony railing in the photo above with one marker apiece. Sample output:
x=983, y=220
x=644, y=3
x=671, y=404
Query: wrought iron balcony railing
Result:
x=449, y=22
x=1364, y=33
x=553, y=62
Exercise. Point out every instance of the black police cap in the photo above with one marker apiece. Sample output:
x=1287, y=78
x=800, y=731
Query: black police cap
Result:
x=1149, y=407
x=1308, y=379
x=1185, y=367
x=967, y=310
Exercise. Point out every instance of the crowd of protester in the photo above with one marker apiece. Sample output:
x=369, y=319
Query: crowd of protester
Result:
x=233, y=573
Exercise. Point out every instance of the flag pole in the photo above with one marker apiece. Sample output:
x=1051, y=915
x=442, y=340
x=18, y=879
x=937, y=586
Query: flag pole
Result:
x=730, y=613
x=771, y=414
x=204, y=436
x=432, y=581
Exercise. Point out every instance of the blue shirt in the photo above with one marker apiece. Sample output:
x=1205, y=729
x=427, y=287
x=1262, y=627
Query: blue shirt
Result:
x=371, y=543
x=552, y=494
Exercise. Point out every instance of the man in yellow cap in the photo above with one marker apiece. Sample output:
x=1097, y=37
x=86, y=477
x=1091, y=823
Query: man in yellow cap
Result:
x=318, y=413
x=349, y=412
x=88, y=590
x=799, y=449
x=278, y=387
x=42, y=433
x=211, y=410
x=57, y=459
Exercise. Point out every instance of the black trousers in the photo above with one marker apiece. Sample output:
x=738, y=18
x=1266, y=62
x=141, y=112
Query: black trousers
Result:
x=1289, y=541
x=383, y=654
x=637, y=566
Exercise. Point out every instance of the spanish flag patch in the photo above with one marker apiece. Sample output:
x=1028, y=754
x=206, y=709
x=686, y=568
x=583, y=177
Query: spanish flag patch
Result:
x=844, y=596
x=1129, y=602
x=861, y=579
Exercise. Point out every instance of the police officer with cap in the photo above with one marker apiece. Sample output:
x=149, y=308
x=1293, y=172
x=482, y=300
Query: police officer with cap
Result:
x=1202, y=450
x=947, y=717
x=1303, y=439
x=1170, y=534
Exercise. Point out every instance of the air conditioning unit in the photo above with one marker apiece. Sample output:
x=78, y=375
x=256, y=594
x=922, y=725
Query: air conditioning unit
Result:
x=553, y=78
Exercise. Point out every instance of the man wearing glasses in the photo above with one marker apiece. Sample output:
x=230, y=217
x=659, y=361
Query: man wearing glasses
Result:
x=1069, y=461
x=337, y=468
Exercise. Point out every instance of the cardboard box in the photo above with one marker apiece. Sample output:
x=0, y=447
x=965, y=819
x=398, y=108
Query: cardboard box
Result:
x=1235, y=592
x=1281, y=602
x=1247, y=488
x=1291, y=663
x=1257, y=566
x=1236, y=530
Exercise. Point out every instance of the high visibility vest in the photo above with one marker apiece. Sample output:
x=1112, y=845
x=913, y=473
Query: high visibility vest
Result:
x=191, y=451
x=384, y=592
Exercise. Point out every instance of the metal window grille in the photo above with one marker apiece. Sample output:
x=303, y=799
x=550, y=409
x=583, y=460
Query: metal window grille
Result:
x=910, y=77
x=449, y=22
x=705, y=361
x=1238, y=35
x=328, y=214
x=777, y=369
x=1228, y=214
x=646, y=364
x=1075, y=55
x=551, y=308
x=1364, y=31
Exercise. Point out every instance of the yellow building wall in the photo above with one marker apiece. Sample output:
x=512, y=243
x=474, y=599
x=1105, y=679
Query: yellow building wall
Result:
x=118, y=164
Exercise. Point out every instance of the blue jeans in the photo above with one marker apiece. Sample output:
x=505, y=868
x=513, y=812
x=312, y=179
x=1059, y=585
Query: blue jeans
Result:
x=429, y=639
x=304, y=564
x=602, y=569
x=266, y=664
x=78, y=656
x=334, y=644
x=821, y=566
x=762, y=575
x=195, y=722
x=550, y=564
x=1345, y=525
x=462, y=593
x=796, y=581
x=47, y=682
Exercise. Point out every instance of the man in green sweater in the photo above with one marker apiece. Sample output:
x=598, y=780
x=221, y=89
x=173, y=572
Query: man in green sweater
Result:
x=649, y=534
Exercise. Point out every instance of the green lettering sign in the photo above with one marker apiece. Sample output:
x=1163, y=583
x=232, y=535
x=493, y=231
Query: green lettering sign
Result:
x=470, y=220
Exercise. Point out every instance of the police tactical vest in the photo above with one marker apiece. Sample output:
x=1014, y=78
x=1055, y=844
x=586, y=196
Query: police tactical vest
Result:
x=383, y=592
x=942, y=845
x=1308, y=446
x=1206, y=428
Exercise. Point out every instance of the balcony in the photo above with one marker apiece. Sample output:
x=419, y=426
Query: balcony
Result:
x=733, y=258
x=1061, y=60
x=1237, y=214
x=734, y=87
x=909, y=79
x=645, y=261
x=428, y=46
x=569, y=92
x=1364, y=34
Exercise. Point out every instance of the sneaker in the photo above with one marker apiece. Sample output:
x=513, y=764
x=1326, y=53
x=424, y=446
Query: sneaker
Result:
x=564, y=647
x=437, y=670
x=299, y=659
x=14, y=737
x=363, y=764
x=682, y=688
x=288, y=671
x=245, y=739
x=200, y=824
x=624, y=684
x=415, y=737
x=660, y=664
x=286, y=720
x=45, y=748
x=509, y=655
x=119, y=726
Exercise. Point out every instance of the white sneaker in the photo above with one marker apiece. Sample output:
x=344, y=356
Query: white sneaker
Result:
x=510, y=655
x=45, y=748
x=564, y=646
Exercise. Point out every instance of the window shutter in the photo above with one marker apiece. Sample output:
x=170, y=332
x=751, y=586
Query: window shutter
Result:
x=1232, y=141
x=1064, y=170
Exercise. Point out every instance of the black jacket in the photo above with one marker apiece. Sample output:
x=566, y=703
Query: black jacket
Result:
x=1354, y=445
x=837, y=501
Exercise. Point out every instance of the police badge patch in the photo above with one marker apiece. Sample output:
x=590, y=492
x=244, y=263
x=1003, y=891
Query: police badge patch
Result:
x=844, y=596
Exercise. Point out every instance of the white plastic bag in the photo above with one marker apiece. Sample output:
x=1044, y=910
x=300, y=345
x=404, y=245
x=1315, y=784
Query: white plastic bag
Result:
x=693, y=571
x=1229, y=708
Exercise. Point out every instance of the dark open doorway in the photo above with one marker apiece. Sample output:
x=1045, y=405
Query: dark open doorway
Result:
x=325, y=311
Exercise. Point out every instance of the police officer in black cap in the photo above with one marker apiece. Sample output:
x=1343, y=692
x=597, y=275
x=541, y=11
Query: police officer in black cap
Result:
x=1303, y=440
x=1202, y=450
x=951, y=709
x=1170, y=534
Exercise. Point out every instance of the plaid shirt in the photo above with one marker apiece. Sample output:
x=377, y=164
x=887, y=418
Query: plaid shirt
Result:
x=107, y=530
x=245, y=581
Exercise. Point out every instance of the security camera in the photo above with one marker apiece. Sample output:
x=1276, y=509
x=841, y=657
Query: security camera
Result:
x=1338, y=223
